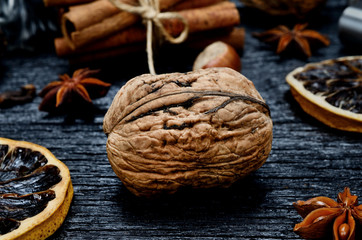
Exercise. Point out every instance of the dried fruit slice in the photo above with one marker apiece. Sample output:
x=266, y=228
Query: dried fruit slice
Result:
x=331, y=91
x=35, y=191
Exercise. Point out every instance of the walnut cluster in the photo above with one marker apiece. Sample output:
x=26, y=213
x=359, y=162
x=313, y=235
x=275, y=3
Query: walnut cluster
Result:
x=202, y=129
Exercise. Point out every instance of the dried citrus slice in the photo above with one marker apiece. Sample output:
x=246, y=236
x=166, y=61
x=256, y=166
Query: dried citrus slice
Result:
x=331, y=91
x=35, y=191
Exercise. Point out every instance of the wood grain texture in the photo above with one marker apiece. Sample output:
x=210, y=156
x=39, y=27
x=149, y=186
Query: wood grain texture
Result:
x=307, y=159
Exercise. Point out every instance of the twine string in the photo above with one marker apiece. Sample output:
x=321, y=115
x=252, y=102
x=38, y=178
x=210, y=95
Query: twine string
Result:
x=150, y=12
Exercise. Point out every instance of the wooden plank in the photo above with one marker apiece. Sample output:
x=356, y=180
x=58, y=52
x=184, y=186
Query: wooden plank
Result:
x=307, y=159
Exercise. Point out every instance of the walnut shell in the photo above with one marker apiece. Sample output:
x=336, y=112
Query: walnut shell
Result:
x=202, y=129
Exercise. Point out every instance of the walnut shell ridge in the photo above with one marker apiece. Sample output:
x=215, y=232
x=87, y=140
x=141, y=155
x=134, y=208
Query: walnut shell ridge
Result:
x=202, y=129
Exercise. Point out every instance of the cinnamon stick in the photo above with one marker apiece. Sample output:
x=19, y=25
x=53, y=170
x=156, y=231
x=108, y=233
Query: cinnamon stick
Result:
x=84, y=15
x=58, y=3
x=80, y=28
x=234, y=37
x=189, y=4
x=135, y=35
x=98, y=31
x=223, y=14
x=106, y=54
x=132, y=34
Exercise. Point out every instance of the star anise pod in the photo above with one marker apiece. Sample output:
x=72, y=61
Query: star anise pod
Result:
x=15, y=97
x=72, y=92
x=322, y=213
x=299, y=36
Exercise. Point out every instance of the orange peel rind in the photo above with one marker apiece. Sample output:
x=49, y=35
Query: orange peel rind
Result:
x=15, y=157
x=315, y=104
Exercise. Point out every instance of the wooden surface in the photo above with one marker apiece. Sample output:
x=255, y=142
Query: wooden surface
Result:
x=307, y=159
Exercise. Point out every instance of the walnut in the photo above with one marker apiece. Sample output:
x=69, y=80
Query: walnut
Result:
x=203, y=129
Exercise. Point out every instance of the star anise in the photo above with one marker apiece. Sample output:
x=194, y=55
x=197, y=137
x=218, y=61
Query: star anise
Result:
x=320, y=213
x=299, y=36
x=72, y=92
x=24, y=95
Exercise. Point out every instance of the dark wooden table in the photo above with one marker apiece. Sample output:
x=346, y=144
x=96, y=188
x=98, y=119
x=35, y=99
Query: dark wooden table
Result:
x=307, y=159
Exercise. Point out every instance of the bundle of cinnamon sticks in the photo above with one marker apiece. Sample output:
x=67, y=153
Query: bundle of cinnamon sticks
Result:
x=96, y=29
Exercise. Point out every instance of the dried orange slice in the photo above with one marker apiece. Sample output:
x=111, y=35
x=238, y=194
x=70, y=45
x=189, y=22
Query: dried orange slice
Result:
x=331, y=91
x=35, y=191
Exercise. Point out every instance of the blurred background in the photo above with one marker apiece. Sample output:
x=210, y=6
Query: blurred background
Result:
x=29, y=25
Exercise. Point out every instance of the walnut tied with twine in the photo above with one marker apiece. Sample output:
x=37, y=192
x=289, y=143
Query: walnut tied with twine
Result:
x=203, y=129
x=150, y=12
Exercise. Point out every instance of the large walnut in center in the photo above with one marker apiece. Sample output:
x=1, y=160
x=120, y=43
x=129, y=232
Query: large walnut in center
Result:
x=202, y=129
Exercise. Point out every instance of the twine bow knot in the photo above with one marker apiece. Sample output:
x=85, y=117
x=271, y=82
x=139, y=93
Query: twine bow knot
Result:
x=150, y=12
